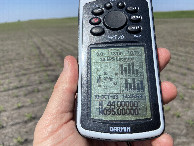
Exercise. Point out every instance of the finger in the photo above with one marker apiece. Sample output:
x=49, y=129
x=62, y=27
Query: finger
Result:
x=163, y=57
x=169, y=91
x=63, y=96
x=163, y=140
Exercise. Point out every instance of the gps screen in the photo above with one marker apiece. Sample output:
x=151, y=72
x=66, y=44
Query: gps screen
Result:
x=119, y=86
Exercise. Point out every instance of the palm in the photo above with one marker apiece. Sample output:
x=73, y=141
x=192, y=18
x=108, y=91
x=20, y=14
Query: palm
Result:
x=65, y=134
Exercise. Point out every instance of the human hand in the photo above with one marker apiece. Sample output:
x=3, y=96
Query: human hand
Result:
x=57, y=125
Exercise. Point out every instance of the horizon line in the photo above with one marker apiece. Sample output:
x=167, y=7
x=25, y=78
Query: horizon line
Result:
x=35, y=19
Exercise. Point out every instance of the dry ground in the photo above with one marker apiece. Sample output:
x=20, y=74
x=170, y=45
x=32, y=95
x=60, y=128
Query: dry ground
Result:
x=178, y=36
x=31, y=58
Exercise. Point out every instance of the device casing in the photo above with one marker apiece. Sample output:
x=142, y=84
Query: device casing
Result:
x=141, y=129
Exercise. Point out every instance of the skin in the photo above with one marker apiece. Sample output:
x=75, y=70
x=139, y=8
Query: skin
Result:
x=57, y=125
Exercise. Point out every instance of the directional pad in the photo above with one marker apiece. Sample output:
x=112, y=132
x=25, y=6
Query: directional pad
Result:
x=115, y=20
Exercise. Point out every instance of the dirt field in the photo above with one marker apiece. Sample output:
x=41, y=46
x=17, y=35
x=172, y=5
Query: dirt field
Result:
x=178, y=36
x=31, y=58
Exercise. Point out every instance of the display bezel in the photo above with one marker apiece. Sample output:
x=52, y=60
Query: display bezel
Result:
x=137, y=126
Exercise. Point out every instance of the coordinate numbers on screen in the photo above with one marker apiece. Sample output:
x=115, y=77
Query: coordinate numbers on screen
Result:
x=119, y=108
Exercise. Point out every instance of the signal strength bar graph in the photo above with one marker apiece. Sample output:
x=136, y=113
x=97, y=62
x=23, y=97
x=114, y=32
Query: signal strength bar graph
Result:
x=134, y=85
x=129, y=70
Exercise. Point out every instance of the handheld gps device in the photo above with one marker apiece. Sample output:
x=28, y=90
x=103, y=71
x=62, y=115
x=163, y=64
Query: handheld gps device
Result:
x=119, y=94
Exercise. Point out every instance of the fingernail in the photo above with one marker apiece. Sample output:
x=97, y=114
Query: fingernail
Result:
x=66, y=64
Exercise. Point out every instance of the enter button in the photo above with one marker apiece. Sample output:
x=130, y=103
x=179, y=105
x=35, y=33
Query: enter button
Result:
x=136, y=18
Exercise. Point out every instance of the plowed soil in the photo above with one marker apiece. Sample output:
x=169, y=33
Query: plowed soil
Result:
x=31, y=59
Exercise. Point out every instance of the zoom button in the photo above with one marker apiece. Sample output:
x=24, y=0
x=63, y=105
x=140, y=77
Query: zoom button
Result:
x=136, y=18
x=134, y=29
x=97, y=31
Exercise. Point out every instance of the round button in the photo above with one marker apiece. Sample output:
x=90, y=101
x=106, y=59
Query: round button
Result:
x=97, y=31
x=121, y=5
x=97, y=11
x=108, y=5
x=136, y=18
x=115, y=20
x=132, y=9
x=95, y=21
x=134, y=29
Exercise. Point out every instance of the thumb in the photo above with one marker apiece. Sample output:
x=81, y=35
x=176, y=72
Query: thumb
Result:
x=63, y=96
x=60, y=108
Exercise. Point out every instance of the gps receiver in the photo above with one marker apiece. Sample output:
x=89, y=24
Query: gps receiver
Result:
x=119, y=94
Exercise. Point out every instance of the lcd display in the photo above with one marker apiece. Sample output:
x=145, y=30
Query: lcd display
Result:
x=119, y=84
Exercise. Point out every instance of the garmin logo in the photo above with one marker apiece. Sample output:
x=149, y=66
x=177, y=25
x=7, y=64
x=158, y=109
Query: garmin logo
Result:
x=120, y=129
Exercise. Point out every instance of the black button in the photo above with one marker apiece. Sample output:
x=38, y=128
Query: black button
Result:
x=136, y=18
x=132, y=9
x=134, y=29
x=121, y=5
x=115, y=20
x=95, y=21
x=97, y=31
x=97, y=11
x=108, y=6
